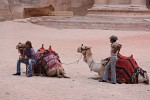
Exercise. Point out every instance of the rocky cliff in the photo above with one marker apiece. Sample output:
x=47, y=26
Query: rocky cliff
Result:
x=5, y=11
x=13, y=9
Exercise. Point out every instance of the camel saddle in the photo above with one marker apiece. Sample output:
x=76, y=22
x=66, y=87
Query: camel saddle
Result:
x=126, y=68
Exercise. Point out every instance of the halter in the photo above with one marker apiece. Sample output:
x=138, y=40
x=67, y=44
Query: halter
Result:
x=84, y=49
x=91, y=64
x=85, y=55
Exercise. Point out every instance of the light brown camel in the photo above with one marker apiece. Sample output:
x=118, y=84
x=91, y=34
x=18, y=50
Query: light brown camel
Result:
x=36, y=12
x=51, y=63
x=96, y=67
x=99, y=67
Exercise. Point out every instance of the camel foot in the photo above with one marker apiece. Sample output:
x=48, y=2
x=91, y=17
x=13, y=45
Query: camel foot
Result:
x=60, y=76
x=95, y=78
x=66, y=76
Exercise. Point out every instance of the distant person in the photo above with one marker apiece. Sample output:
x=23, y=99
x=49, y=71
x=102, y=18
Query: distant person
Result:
x=28, y=57
x=115, y=48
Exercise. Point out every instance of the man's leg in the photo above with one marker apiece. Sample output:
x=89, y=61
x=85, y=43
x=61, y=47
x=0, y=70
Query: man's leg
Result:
x=105, y=76
x=113, y=69
x=30, y=67
x=18, y=66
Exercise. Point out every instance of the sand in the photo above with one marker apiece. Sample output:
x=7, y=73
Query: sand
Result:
x=65, y=42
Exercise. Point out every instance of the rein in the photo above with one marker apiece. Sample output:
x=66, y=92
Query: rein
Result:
x=90, y=65
x=73, y=62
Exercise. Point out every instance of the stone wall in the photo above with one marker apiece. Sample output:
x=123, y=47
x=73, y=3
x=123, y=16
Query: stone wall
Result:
x=116, y=2
x=148, y=3
x=13, y=9
x=17, y=7
x=5, y=12
x=79, y=7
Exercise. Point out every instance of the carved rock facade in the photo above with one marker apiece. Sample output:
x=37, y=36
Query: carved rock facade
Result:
x=13, y=9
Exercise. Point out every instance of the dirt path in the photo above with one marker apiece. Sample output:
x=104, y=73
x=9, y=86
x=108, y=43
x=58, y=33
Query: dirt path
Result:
x=66, y=42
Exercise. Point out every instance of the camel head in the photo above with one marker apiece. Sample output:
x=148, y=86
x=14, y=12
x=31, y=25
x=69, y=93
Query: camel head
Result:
x=83, y=49
x=142, y=76
x=20, y=46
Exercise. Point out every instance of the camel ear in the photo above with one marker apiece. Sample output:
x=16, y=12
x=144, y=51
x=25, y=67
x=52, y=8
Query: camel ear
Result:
x=42, y=45
x=81, y=45
x=50, y=47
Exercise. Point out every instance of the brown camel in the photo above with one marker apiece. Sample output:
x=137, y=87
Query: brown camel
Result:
x=96, y=67
x=51, y=63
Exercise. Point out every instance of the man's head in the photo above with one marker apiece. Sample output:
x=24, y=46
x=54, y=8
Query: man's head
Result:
x=113, y=38
x=28, y=45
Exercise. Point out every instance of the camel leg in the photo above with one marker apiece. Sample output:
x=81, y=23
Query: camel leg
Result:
x=147, y=80
x=101, y=72
x=51, y=72
x=62, y=71
x=95, y=78
x=58, y=72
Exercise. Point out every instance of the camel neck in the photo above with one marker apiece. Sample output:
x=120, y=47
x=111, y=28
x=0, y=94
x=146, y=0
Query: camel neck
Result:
x=92, y=64
x=90, y=61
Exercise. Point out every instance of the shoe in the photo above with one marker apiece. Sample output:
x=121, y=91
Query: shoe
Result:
x=102, y=81
x=113, y=83
x=16, y=74
x=29, y=75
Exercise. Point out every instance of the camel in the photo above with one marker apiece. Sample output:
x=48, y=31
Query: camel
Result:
x=141, y=75
x=50, y=63
x=96, y=67
x=20, y=46
x=36, y=12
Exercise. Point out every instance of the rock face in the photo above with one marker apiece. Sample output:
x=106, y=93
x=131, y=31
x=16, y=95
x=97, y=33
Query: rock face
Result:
x=79, y=7
x=117, y=2
x=5, y=11
x=59, y=5
x=13, y=9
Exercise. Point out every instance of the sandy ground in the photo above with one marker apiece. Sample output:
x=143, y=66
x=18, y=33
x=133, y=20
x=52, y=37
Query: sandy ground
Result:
x=65, y=42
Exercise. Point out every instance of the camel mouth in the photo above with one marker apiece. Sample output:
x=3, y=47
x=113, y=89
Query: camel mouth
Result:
x=79, y=50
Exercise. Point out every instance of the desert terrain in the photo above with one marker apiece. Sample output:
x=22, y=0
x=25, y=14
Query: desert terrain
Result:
x=65, y=42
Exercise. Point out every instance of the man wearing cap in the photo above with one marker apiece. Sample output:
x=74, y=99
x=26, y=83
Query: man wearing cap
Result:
x=28, y=58
x=115, y=48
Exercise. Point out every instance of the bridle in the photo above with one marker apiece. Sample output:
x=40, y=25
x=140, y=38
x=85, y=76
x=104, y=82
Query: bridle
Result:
x=86, y=49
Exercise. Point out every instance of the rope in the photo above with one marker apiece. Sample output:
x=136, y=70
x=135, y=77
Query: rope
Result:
x=73, y=62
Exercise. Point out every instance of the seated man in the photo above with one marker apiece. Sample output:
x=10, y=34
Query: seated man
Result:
x=28, y=57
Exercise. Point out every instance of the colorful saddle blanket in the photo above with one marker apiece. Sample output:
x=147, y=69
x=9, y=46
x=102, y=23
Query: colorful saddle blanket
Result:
x=125, y=69
x=51, y=60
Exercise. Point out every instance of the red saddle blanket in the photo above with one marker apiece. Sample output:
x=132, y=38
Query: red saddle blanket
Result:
x=51, y=60
x=125, y=69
